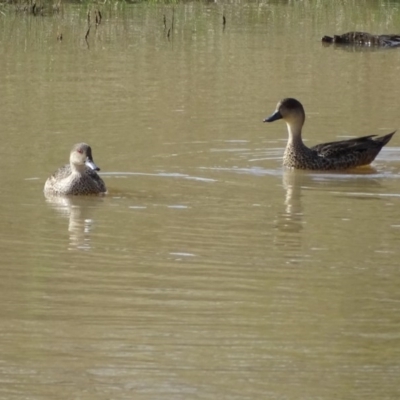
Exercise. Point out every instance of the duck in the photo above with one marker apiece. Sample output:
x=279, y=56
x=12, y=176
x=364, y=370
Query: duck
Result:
x=79, y=177
x=339, y=155
x=364, y=39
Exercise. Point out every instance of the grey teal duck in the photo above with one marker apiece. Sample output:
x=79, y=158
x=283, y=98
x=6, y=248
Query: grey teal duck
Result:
x=340, y=155
x=79, y=177
x=364, y=39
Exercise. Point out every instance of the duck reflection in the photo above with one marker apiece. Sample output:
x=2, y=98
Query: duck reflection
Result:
x=79, y=211
x=292, y=220
x=351, y=48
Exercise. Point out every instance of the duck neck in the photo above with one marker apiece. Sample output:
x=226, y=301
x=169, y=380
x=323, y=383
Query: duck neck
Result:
x=78, y=168
x=295, y=137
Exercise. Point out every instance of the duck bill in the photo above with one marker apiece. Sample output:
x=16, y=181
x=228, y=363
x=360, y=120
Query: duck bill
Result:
x=90, y=164
x=274, y=117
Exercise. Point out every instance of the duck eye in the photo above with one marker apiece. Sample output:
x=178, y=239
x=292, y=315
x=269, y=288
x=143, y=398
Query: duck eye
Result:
x=79, y=151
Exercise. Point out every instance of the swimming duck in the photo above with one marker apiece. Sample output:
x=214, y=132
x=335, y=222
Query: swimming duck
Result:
x=338, y=155
x=364, y=39
x=79, y=177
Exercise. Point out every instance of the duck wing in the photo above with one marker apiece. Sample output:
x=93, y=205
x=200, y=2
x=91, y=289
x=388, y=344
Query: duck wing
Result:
x=364, y=144
x=333, y=149
x=94, y=176
x=390, y=40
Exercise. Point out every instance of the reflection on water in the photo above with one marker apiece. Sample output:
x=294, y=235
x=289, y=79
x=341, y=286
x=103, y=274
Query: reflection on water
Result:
x=293, y=181
x=297, y=181
x=79, y=211
x=208, y=271
x=304, y=187
x=358, y=48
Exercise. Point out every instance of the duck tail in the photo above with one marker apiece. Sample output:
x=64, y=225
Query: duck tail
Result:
x=385, y=139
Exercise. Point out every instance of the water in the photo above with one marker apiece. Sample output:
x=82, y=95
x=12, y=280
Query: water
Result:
x=208, y=271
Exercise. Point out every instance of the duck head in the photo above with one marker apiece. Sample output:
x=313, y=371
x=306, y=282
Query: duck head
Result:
x=292, y=112
x=81, y=156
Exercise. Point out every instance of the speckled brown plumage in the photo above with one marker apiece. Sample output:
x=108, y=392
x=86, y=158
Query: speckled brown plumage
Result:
x=364, y=39
x=79, y=177
x=338, y=155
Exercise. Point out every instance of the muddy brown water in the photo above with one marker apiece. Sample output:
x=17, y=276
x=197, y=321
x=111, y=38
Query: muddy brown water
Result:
x=208, y=271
